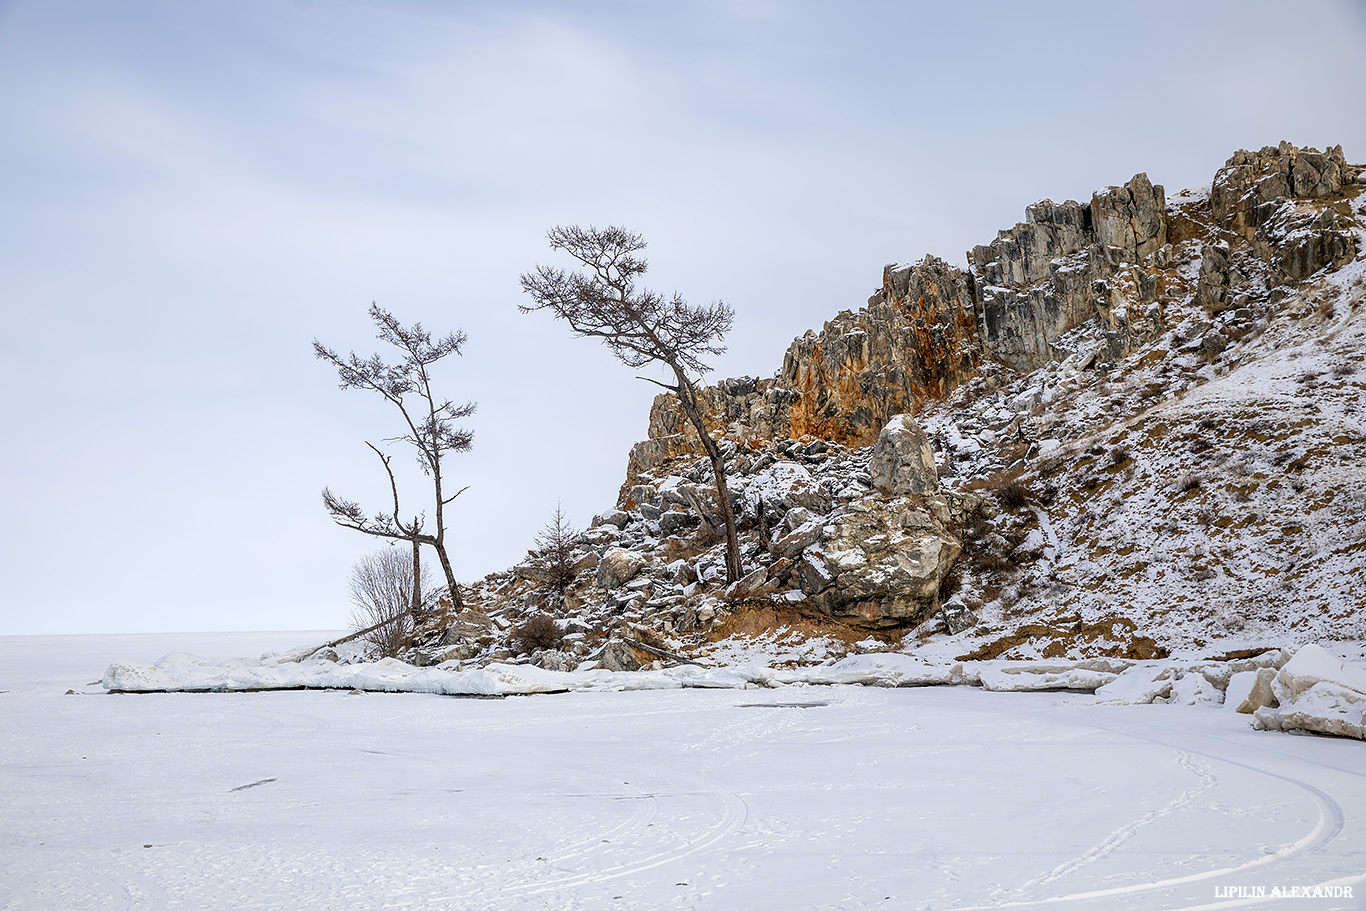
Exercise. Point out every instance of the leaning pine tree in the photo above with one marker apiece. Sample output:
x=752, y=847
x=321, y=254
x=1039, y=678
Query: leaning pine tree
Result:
x=429, y=427
x=601, y=300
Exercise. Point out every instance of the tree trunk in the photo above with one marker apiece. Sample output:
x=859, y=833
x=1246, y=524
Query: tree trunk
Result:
x=718, y=469
x=451, y=584
x=416, y=608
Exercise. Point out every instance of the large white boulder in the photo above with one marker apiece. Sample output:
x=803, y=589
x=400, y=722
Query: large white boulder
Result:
x=1139, y=685
x=1249, y=691
x=1318, y=692
x=902, y=463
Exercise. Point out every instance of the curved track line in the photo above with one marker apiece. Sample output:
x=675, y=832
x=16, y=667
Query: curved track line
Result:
x=1260, y=900
x=1329, y=825
x=1126, y=832
x=736, y=811
x=646, y=809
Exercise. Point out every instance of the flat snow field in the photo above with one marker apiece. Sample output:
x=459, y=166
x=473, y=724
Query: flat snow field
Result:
x=791, y=798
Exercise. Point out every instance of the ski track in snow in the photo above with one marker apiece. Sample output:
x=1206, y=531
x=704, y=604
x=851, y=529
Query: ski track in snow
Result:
x=1328, y=825
x=1127, y=831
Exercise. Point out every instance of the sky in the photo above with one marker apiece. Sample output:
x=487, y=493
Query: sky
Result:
x=191, y=193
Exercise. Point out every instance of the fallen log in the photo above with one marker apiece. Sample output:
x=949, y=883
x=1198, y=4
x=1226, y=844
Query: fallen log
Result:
x=636, y=643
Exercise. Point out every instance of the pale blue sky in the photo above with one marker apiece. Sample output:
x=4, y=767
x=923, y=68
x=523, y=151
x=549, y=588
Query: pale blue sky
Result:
x=190, y=192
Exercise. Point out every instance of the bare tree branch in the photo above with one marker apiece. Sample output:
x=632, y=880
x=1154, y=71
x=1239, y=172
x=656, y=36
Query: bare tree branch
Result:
x=673, y=389
x=433, y=432
x=602, y=300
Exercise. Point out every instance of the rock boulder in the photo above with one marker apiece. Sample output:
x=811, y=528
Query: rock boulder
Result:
x=902, y=463
x=880, y=561
x=619, y=566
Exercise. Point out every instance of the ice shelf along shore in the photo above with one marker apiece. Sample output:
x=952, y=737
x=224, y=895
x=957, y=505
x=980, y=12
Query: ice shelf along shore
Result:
x=1307, y=689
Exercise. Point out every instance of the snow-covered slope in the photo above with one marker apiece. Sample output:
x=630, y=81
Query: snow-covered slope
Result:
x=1201, y=498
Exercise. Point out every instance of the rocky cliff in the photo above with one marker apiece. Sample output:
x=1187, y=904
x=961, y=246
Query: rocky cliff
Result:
x=1124, y=427
x=931, y=324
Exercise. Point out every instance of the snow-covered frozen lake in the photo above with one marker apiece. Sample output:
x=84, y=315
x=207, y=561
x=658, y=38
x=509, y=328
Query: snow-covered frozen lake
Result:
x=790, y=798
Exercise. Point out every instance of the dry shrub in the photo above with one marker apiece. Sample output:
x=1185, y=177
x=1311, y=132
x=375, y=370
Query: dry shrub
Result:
x=992, y=560
x=381, y=586
x=534, y=633
x=1010, y=492
x=1189, y=481
x=1013, y=495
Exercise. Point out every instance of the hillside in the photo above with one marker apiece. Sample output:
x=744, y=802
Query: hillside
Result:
x=1128, y=428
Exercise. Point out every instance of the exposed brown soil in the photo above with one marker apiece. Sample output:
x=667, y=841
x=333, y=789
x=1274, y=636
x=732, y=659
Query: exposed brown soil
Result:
x=1240, y=654
x=1094, y=639
x=761, y=618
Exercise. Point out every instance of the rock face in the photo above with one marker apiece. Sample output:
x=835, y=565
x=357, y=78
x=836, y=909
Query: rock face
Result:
x=833, y=463
x=931, y=325
x=1066, y=264
x=903, y=462
x=916, y=339
x=865, y=536
x=619, y=566
x=618, y=656
x=880, y=561
x=1278, y=209
x=1131, y=219
x=1251, y=186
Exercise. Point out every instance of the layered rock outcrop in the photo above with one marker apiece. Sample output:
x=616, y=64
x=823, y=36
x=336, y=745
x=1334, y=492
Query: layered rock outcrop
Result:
x=1251, y=187
x=1068, y=263
x=1282, y=215
x=916, y=339
x=931, y=325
